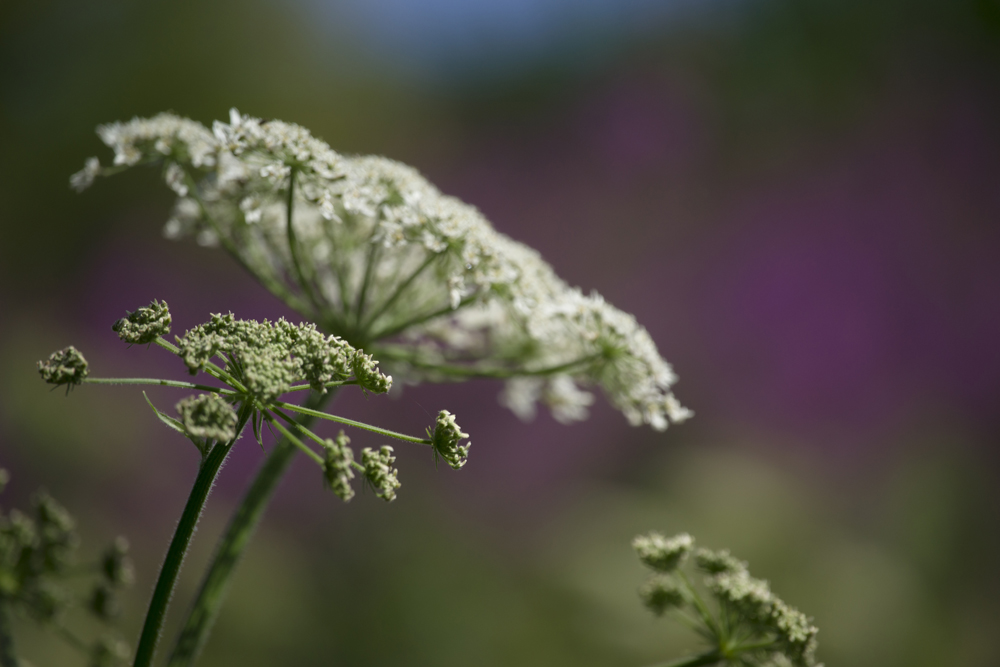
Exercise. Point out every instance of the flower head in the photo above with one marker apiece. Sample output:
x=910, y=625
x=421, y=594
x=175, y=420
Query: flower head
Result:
x=67, y=366
x=445, y=439
x=208, y=416
x=145, y=324
x=379, y=471
x=374, y=253
x=337, y=466
x=661, y=553
x=661, y=593
x=751, y=625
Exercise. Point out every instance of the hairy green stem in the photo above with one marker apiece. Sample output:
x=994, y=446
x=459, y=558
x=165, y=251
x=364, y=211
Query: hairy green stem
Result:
x=233, y=543
x=295, y=441
x=162, y=383
x=350, y=422
x=8, y=657
x=164, y=590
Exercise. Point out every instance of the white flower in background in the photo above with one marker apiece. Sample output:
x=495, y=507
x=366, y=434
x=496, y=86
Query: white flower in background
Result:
x=377, y=255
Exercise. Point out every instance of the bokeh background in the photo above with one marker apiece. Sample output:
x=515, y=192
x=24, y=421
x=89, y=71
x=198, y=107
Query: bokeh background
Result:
x=798, y=198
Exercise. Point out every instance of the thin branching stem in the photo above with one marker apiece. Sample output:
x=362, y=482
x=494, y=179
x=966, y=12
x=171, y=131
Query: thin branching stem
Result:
x=473, y=372
x=370, y=263
x=209, y=367
x=293, y=246
x=394, y=329
x=351, y=422
x=398, y=292
x=162, y=383
x=274, y=285
x=294, y=440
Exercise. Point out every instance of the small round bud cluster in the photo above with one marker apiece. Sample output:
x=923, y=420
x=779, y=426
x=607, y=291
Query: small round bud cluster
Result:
x=661, y=593
x=338, y=466
x=145, y=324
x=208, y=416
x=445, y=439
x=66, y=366
x=660, y=553
x=754, y=628
x=379, y=471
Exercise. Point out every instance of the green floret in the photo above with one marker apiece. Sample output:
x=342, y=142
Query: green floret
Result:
x=66, y=366
x=661, y=593
x=379, y=472
x=445, y=439
x=717, y=562
x=208, y=416
x=661, y=553
x=145, y=324
x=337, y=467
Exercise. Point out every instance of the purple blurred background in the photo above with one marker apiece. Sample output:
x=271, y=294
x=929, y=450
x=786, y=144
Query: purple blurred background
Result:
x=799, y=200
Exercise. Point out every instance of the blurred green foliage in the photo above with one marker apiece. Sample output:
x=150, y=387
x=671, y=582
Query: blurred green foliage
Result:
x=893, y=552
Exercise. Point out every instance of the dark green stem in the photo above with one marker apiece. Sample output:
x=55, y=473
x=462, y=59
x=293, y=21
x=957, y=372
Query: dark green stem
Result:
x=153, y=626
x=215, y=584
x=8, y=658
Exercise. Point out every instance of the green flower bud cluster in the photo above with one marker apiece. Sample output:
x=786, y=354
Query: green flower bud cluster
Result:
x=749, y=626
x=208, y=416
x=660, y=553
x=268, y=358
x=379, y=473
x=67, y=366
x=337, y=466
x=263, y=361
x=38, y=556
x=445, y=439
x=145, y=324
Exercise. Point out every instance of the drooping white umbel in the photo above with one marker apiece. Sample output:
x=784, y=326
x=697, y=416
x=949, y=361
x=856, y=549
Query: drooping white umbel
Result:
x=377, y=255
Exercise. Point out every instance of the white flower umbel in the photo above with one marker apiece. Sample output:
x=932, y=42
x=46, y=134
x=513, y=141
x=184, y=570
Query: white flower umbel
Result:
x=374, y=253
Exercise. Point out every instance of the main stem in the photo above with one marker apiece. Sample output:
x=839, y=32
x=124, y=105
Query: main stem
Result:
x=153, y=626
x=215, y=584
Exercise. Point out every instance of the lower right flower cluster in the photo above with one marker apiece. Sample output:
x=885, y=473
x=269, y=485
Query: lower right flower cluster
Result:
x=743, y=621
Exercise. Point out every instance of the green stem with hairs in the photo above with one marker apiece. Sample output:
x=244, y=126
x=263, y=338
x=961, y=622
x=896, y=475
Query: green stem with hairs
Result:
x=350, y=422
x=233, y=543
x=295, y=441
x=164, y=589
x=162, y=383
